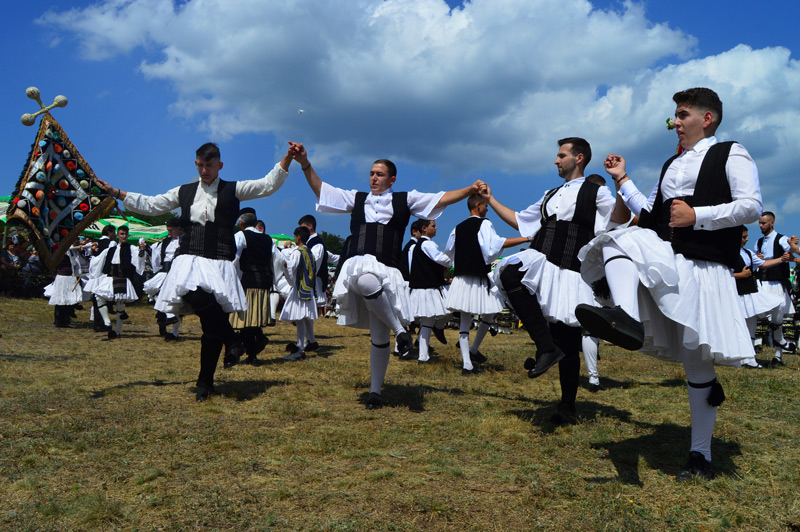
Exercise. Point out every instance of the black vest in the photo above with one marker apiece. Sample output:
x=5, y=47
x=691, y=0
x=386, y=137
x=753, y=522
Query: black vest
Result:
x=745, y=286
x=712, y=188
x=468, y=259
x=425, y=272
x=322, y=266
x=214, y=240
x=560, y=240
x=405, y=258
x=102, y=244
x=125, y=267
x=165, y=266
x=256, y=261
x=776, y=273
x=385, y=241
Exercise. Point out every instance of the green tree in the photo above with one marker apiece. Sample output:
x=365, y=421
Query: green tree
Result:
x=333, y=243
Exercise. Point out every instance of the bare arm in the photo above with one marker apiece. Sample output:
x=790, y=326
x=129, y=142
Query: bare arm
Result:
x=505, y=214
x=516, y=241
x=454, y=196
x=300, y=155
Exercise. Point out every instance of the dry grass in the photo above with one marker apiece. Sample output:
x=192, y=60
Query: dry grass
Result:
x=99, y=435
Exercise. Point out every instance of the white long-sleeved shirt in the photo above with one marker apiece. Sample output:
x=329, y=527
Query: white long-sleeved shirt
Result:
x=562, y=204
x=205, y=199
x=680, y=179
x=432, y=251
x=378, y=207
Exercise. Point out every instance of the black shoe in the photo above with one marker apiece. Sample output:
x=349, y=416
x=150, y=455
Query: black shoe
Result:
x=313, y=346
x=697, y=466
x=776, y=362
x=544, y=361
x=474, y=371
x=594, y=388
x=611, y=324
x=439, y=335
x=374, y=401
x=529, y=363
x=203, y=393
x=493, y=330
x=291, y=347
x=169, y=337
x=102, y=328
x=404, y=343
x=251, y=360
x=564, y=416
x=787, y=347
x=424, y=362
x=113, y=335
x=233, y=352
x=123, y=316
x=408, y=356
x=477, y=358
x=750, y=366
x=257, y=346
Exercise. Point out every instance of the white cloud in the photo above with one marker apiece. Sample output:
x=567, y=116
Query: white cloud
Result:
x=488, y=86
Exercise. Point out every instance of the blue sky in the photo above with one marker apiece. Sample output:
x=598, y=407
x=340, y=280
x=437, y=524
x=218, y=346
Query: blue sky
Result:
x=482, y=90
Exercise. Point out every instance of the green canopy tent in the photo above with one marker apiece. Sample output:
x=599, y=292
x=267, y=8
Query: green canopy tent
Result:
x=138, y=228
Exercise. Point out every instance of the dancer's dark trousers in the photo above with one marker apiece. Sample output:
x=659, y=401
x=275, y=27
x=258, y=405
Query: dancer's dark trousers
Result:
x=217, y=332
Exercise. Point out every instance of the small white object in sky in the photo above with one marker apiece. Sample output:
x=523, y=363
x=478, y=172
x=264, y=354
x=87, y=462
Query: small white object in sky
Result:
x=301, y=111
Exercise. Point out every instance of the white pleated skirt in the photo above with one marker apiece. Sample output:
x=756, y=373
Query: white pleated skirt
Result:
x=428, y=302
x=296, y=309
x=688, y=307
x=153, y=285
x=64, y=291
x=775, y=288
x=762, y=303
x=190, y=272
x=558, y=290
x=104, y=287
x=469, y=293
x=352, y=310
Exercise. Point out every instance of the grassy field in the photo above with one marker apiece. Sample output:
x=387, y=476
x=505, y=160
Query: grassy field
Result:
x=100, y=435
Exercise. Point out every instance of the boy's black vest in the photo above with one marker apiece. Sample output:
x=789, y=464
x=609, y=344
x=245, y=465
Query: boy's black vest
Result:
x=385, y=241
x=256, y=261
x=560, y=240
x=214, y=240
x=404, y=259
x=165, y=265
x=468, y=259
x=748, y=285
x=776, y=273
x=425, y=272
x=322, y=266
x=124, y=268
x=711, y=188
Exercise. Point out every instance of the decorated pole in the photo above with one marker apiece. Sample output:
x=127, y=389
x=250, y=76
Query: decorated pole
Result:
x=57, y=194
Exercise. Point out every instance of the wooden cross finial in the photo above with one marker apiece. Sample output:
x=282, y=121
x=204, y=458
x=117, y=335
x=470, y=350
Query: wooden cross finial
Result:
x=33, y=93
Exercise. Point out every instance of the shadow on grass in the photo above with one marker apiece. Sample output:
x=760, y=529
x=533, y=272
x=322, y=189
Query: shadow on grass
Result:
x=97, y=394
x=665, y=447
x=246, y=390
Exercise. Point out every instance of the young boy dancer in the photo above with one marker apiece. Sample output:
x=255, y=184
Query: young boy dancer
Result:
x=162, y=255
x=322, y=257
x=671, y=277
x=203, y=278
x=370, y=291
x=427, y=287
x=473, y=245
x=111, y=279
x=301, y=306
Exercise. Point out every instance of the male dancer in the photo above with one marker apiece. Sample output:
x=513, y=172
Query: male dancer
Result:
x=543, y=283
x=775, y=281
x=370, y=290
x=671, y=276
x=98, y=316
x=427, y=287
x=254, y=257
x=161, y=258
x=322, y=257
x=203, y=276
x=473, y=245
x=756, y=302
